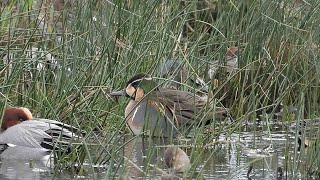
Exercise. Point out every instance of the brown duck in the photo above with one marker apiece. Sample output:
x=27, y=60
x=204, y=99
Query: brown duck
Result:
x=177, y=162
x=161, y=111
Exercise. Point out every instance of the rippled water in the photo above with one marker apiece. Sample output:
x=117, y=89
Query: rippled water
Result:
x=230, y=157
x=13, y=169
x=264, y=152
x=228, y=161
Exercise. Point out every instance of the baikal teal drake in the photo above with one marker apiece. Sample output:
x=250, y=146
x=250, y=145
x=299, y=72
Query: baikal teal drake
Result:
x=162, y=112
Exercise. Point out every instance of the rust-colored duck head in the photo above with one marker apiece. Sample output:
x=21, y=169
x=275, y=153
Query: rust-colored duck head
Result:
x=232, y=59
x=15, y=115
x=230, y=65
x=232, y=52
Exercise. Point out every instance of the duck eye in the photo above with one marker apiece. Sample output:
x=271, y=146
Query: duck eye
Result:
x=21, y=118
x=136, y=84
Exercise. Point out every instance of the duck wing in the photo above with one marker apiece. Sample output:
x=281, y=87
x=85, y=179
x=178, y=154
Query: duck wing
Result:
x=28, y=134
x=37, y=134
x=58, y=129
x=185, y=100
x=185, y=105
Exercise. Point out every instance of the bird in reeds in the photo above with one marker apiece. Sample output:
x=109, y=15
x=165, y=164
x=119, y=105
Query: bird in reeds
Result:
x=162, y=111
x=307, y=135
x=232, y=59
x=176, y=70
x=25, y=137
x=177, y=162
x=231, y=63
x=41, y=59
x=306, y=143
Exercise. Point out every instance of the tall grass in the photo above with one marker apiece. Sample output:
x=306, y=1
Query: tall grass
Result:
x=99, y=45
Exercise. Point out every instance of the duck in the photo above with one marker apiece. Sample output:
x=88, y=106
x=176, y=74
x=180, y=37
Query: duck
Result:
x=232, y=59
x=162, y=112
x=24, y=137
x=177, y=162
x=231, y=63
x=176, y=70
x=304, y=142
x=305, y=132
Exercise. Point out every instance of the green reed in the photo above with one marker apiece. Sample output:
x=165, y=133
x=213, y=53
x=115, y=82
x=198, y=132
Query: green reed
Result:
x=100, y=44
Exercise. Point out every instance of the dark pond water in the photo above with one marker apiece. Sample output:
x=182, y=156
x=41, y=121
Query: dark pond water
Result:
x=229, y=157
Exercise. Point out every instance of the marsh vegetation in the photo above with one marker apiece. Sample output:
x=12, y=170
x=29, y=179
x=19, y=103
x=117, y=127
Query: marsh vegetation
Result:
x=62, y=59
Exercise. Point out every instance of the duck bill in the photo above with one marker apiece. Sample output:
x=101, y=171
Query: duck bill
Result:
x=118, y=93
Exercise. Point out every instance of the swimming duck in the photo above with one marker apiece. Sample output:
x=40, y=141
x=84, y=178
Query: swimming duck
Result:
x=161, y=111
x=177, y=162
x=25, y=137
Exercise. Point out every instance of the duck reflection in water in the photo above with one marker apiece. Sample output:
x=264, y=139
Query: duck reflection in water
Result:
x=141, y=155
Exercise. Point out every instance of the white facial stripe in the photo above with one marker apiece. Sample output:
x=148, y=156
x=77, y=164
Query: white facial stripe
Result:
x=136, y=81
x=135, y=112
x=146, y=78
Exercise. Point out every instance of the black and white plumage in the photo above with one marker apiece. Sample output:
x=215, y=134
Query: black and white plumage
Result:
x=35, y=137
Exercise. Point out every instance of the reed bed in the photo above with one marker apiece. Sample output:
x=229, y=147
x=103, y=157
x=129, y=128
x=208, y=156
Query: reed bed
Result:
x=90, y=48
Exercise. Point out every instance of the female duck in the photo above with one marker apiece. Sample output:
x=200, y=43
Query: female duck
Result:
x=161, y=111
x=25, y=137
x=177, y=162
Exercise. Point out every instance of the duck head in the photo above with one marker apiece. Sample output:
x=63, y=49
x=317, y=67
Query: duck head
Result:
x=231, y=63
x=137, y=87
x=173, y=69
x=15, y=115
x=176, y=70
x=232, y=59
x=176, y=160
x=232, y=52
